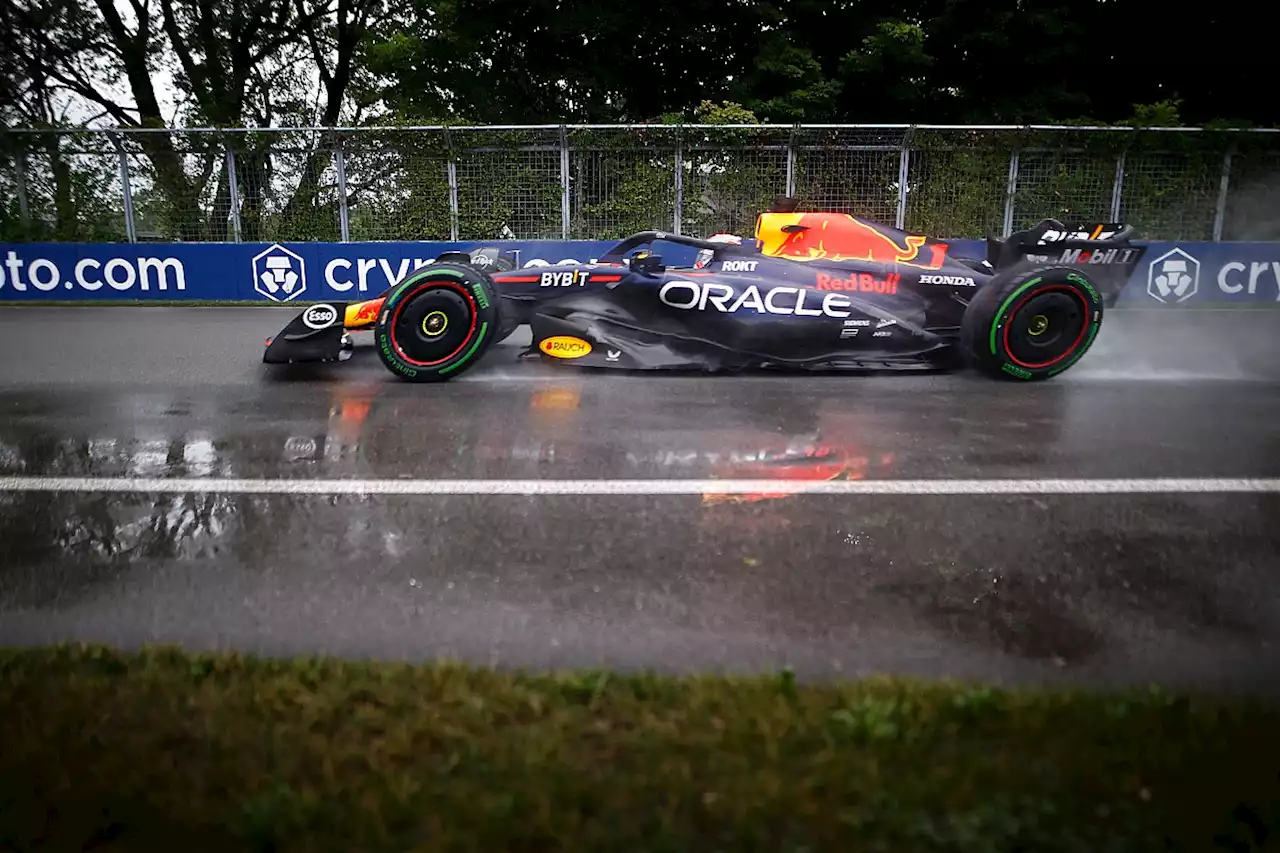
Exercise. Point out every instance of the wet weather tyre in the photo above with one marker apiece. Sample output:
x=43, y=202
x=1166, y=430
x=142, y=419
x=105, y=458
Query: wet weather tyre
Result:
x=1031, y=324
x=437, y=323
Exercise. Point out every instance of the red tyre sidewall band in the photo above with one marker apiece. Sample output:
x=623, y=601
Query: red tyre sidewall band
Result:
x=1084, y=328
x=429, y=284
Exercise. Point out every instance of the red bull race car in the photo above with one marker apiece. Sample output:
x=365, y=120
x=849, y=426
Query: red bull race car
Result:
x=810, y=291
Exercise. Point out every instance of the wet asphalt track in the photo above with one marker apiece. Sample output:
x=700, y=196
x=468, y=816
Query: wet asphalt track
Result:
x=1183, y=590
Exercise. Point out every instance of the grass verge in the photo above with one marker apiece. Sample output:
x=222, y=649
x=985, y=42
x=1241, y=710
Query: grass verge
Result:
x=166, y=750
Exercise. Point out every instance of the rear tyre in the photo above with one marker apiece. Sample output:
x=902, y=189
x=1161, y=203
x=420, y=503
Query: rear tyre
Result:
x=1032, y=324
x=437, y=323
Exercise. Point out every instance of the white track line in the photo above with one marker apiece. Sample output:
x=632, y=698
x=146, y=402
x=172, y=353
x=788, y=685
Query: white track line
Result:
x=1156, y=486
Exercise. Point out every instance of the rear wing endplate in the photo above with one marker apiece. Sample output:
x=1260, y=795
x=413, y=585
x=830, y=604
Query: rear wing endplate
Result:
x=1104, y=248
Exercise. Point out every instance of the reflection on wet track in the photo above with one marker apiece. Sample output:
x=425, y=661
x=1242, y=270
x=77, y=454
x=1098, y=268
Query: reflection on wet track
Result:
x=1175, y=588
x=592, y=426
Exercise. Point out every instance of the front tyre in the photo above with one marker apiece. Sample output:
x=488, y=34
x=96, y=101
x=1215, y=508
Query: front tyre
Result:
x=1032, y=324
x=437, y=323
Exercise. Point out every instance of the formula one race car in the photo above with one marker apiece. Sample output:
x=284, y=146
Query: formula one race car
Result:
x=818, y=291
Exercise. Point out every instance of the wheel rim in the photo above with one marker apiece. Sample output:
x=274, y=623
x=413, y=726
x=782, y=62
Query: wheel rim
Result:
x=431, y=326
x=1046, y=328
x=435, y=323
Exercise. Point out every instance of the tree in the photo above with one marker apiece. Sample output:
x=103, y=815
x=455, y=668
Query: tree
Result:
x=890, y=67
x=786, y=83
x=236, y=63
x=336, y=41
x=73, y=189
x=534, y=61
x=1011, y=61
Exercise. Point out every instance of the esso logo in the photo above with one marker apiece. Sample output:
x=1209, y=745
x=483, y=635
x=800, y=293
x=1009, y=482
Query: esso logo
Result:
x=319, y=316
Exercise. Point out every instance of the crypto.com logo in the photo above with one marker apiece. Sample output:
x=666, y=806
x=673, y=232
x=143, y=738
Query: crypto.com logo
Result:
x=279, y=274
x=1173, y=277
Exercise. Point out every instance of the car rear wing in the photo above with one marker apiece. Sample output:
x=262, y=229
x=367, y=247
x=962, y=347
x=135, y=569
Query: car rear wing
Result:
x=1103, y=248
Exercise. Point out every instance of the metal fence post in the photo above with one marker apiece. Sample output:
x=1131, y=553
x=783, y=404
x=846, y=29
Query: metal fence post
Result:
x=233, y=192
x=452, y=170
x=340, y=169
x=1117, y=188
x=791, y=163
x=1220, y=209
x=564, y=183
x=904, y=167
x=1010, y=191
x=678, y=215
x=129, y=230
x=20, y=177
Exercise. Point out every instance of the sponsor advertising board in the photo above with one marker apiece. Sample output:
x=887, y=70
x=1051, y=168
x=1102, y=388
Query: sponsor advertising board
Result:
x=1171, y=274
x=253, y=272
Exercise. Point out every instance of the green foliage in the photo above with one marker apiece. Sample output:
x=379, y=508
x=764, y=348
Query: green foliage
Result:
x=957, y=192
x=787, y=84
x=725, y=112
x=71, y=187
x=163, y=749
x=622, y=194
x=1063, y=185
x=1160, y=114
x=892, y=66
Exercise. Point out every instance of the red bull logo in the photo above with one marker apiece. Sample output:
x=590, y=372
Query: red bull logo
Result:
x=363, y=313
x=841, y=237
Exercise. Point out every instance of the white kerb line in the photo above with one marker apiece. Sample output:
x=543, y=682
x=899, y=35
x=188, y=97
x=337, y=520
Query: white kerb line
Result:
x=1150, y=486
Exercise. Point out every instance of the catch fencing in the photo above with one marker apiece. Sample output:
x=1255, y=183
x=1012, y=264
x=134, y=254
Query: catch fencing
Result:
x=597, y=182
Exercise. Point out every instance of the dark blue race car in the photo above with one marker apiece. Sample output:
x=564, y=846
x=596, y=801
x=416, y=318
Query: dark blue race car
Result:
x=812, y=291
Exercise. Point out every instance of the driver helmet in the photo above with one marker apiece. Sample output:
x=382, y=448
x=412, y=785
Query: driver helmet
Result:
x=705, y=255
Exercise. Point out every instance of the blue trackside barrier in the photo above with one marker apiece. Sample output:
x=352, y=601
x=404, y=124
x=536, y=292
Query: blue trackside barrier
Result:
x=1173, y=275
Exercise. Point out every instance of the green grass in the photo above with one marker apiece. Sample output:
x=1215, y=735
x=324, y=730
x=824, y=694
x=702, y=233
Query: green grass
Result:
x=168, y=751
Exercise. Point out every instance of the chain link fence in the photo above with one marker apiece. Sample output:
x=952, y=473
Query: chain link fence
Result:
x=604, y=182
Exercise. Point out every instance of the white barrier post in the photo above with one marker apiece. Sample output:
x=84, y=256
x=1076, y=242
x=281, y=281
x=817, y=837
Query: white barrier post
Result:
x=904, y=167
x=233, y=192
x=677, y=216
x=129, y=230
x=1220, y=210
x=451, y=170
x=791, y=163
x=1117, y=188
x=340, y=168
x=1010, y=190
x=564, y=183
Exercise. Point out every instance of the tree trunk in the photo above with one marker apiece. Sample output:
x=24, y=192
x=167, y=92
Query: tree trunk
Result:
x=65, y=221
x=251, y=179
